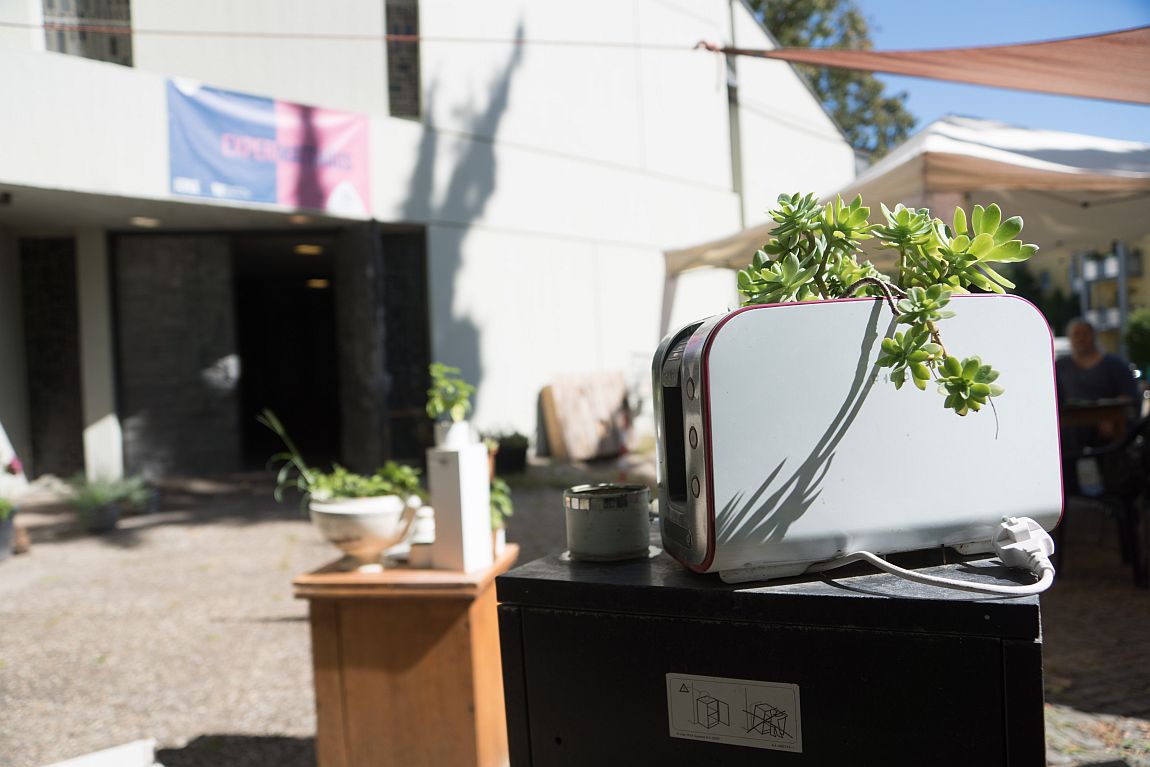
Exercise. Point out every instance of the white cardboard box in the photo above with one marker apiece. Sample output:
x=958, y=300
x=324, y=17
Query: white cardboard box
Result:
x=461, y=496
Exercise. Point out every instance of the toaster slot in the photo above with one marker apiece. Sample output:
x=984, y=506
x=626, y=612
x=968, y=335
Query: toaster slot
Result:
x=674, y=449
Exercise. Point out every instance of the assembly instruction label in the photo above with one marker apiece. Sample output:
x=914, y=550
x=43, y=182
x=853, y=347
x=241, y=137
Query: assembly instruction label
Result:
x=741, y=712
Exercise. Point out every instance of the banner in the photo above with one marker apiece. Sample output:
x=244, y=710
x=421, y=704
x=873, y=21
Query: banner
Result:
x=234, y=146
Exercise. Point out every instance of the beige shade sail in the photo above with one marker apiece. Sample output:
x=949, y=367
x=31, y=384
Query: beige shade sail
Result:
x=1070, y=185
x=1113, y=66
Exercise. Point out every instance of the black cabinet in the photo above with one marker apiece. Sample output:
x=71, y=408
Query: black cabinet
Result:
x=644, y=663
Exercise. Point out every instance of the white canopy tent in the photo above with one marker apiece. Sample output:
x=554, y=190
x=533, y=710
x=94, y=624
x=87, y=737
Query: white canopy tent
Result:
x=1074, y=191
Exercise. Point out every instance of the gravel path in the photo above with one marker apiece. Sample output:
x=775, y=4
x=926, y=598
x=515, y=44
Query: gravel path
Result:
x=181, y=627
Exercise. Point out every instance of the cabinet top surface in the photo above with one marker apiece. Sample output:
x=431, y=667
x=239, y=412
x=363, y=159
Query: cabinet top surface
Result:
x=854, y=596
x=330, y=581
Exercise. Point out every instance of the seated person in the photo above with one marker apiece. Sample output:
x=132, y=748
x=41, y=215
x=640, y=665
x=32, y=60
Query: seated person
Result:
x=1089, y=374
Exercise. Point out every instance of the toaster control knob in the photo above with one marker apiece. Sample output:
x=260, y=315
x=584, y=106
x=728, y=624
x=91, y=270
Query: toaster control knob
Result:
x=690, y=388
x=695, y=486
x=694, y=437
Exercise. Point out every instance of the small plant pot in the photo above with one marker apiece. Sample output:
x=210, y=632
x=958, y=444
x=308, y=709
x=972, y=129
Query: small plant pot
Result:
x=7, y=533
x=102, y=519
x=492, y=462
x=498, y=541
x=511, y=459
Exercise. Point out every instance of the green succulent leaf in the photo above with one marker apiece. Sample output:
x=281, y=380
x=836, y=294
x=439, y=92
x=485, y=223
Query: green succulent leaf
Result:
x=813, y=254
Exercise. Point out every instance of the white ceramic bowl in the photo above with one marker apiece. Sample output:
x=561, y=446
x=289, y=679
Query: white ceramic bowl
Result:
x=363, y=528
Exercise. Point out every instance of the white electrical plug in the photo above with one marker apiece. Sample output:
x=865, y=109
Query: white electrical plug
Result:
x=1021, y=542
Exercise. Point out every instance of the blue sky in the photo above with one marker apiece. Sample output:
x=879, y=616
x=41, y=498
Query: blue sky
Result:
x=905, y=24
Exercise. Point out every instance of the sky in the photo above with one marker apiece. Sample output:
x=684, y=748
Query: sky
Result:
x=906, y=24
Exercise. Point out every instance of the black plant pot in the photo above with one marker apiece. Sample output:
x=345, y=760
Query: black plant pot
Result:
x=103, y=519
x=511, y=460
x=7, y=530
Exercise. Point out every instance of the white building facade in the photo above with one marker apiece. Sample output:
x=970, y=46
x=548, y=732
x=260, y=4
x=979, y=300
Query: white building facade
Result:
x=527, y=164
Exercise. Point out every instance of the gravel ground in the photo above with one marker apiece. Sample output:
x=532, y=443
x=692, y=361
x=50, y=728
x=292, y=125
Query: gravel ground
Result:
x=181, y=627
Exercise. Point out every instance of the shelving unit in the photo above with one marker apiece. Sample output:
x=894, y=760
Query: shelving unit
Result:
x=1087, y=272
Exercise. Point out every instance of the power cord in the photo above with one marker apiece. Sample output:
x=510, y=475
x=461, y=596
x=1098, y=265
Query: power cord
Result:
x=1019, y=542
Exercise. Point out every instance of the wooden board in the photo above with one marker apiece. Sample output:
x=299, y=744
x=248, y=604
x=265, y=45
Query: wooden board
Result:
x=587, y=416
x=331, y=582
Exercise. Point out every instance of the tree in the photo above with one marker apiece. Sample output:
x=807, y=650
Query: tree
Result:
x=873, y=121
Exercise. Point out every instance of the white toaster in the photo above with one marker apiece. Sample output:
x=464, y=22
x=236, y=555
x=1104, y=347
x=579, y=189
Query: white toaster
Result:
x=781, y=444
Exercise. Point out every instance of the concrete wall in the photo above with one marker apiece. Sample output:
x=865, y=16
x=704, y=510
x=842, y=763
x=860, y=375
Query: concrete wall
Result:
x=83, y=125
x=23, y=12
x=551, y=177
x=337, y=73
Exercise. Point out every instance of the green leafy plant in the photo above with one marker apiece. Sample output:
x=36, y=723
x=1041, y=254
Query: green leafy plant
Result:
x=86, y=496
x=390, y=479
x=1138, y=337
x=814, y=255
x=449, y=395
x=501, y=506
x=7, y=508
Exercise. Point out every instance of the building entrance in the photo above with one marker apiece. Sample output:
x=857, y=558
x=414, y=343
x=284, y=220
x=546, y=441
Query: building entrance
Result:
x=287, y=341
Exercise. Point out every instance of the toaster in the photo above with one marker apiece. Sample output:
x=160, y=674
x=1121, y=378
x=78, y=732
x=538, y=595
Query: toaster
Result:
x=781, y=444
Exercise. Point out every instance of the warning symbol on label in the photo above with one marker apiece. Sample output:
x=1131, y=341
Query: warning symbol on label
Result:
x=766, y=715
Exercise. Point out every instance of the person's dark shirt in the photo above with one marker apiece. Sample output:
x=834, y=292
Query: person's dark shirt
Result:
x=1108, y=379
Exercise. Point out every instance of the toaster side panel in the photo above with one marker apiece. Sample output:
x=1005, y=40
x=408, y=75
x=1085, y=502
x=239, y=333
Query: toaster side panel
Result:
x=813, y=453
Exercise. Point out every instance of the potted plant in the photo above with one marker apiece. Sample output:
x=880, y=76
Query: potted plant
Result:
x=7, y=526
x=512, y=455
x=501, y=509
x=813, y=255
x=97, y=502
x=11, y=480
x=362, y=514
x=448, y=404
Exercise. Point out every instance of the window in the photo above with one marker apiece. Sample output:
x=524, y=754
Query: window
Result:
x=65, y=29
x=403, y=58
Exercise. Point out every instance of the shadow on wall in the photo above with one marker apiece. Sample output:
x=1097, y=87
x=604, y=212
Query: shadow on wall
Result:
x=455, y=336
x=241, y=751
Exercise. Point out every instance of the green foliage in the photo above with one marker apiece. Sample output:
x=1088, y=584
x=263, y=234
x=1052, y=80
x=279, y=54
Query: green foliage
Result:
x=6, y=508
x=390, y=479
x=813, y=254
x=449, y=394
x=968, y=385
x=501, y=506
x=873, y=122
x=1138, y=337
x=909, y=352
x=922, y=306
x=87, y=495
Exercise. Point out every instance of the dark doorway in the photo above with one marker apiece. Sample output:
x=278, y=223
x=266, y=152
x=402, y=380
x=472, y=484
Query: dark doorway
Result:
x=52, y=346
x=285, y=317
